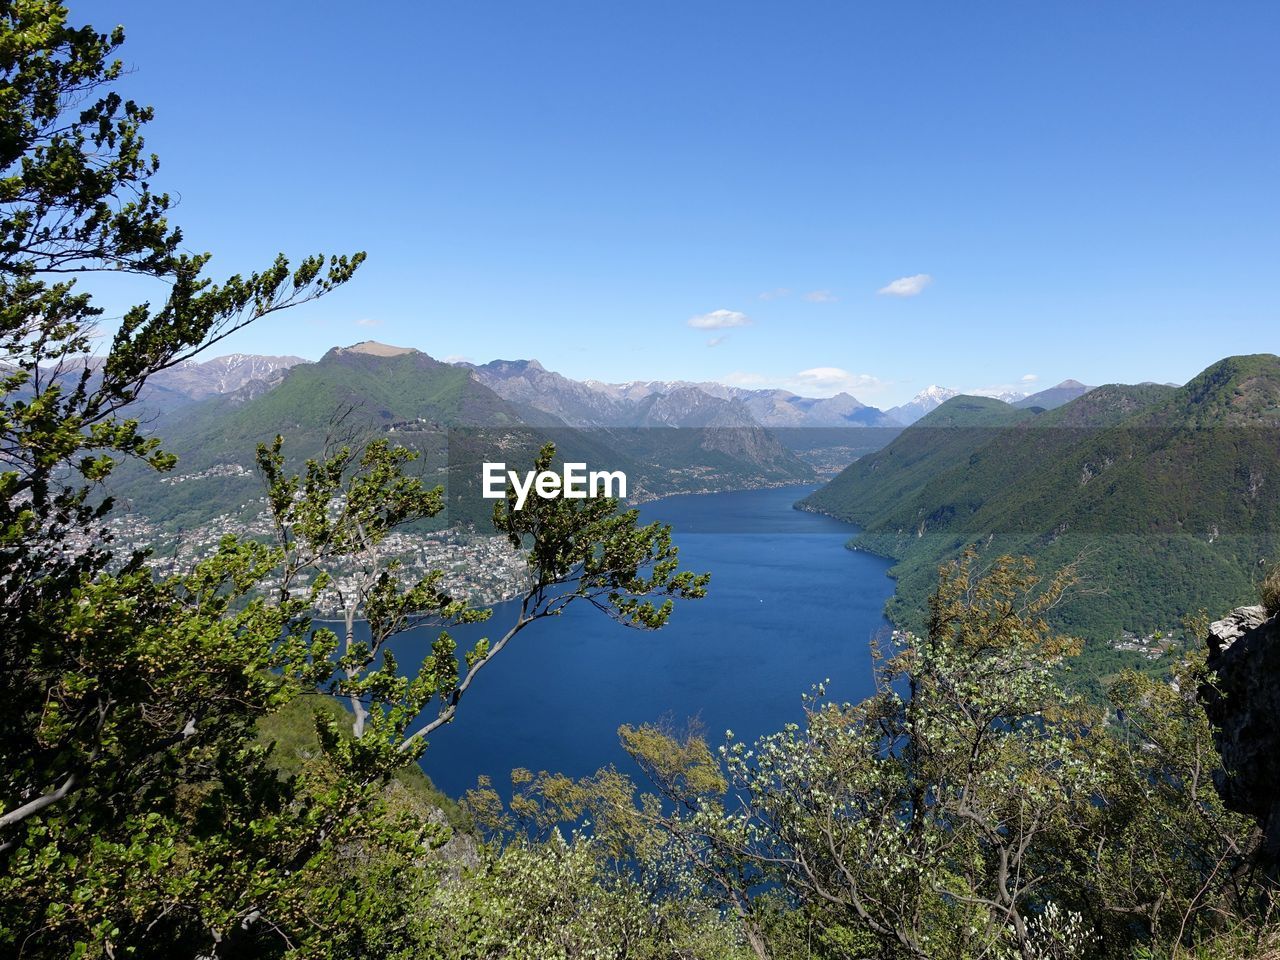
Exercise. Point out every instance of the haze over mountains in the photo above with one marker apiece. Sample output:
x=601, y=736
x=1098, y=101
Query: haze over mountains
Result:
x=674, y=403
x=593, y=403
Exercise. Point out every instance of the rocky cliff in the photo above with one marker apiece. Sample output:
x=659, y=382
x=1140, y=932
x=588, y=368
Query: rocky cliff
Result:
x=1244, y=707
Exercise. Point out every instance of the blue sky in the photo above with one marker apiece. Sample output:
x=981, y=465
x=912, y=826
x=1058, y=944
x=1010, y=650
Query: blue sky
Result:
x=1091, y=189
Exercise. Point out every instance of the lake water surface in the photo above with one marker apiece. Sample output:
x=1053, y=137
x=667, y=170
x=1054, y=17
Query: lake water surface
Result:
x=788, y=606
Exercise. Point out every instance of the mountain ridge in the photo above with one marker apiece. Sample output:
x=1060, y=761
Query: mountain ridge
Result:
x=616, y=403
x=446, y=414
x=597, y=402
x=1054, y=396
x=1167, y=497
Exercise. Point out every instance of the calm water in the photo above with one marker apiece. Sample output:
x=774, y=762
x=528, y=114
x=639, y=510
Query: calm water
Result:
x=787, y=607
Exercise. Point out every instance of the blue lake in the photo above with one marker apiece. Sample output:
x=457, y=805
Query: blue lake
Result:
x=788, y=606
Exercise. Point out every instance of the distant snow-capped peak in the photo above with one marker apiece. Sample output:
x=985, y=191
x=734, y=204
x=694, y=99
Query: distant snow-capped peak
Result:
x=936, y=394
x=1008, y=396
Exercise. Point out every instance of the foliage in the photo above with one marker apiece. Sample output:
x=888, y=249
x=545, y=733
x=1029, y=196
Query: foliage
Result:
x=602, y=554
x=75, y=197
x=1169, y=855
x=1157, y=494
x=1269, y=591
x=165, y=689
x=144, y=809
x=971, y=808
x=343, y=507
x=561, y=899
x=162, y=795
x=290, y=732
x=919, y=816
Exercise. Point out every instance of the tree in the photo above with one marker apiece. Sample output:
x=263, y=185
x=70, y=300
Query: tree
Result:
x=910, y=824
x=914, y=824
x=141, y=809
x=1169, y=856
x=973, y=807
x=578, y=551
x=76, y=198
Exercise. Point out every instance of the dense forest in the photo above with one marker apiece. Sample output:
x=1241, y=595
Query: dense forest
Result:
x=1157, y=495
x=192, y=767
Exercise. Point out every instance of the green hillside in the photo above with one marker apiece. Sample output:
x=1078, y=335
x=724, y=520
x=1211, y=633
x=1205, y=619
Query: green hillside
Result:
x=377, y=392
x=453, y=421
x=1168, y=499
x=349, y=395
x=874, y=490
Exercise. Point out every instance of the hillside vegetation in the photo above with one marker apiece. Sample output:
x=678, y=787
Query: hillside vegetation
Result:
x=193, y=766
x=1167, y=499
x=445, y=415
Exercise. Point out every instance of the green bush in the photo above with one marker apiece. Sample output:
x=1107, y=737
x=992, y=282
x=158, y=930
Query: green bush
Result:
x=1270, y=591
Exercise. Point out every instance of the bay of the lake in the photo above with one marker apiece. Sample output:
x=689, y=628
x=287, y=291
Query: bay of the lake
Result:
x=788, y=606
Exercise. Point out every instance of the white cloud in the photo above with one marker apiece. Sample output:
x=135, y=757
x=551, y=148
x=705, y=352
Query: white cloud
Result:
x=1030, y=377
x=456, y=358
x=911, y=286
x=821, y=296
x=776, y=294
x=834, y=378
x=716, y=341
x=719, y=320
x=368, y=322
x=819, y=381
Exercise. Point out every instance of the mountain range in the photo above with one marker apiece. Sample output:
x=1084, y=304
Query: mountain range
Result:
x=529, y=386
x=932, y=397
x=672, y=435
x=194, y=380
x=199, y=380
x=592, y=403
x=1167, y=499
x=453, y=419
x=1055, y=396
x=1164, y=499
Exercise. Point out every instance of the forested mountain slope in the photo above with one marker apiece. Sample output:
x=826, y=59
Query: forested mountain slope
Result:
x=1168, y=499
x=454, y=422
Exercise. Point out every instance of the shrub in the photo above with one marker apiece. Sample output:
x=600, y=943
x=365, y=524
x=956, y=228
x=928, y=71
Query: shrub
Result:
x=1270, y=591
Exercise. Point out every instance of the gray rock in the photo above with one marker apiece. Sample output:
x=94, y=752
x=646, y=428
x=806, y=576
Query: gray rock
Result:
x=1244, y=707
x=1223, y=633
